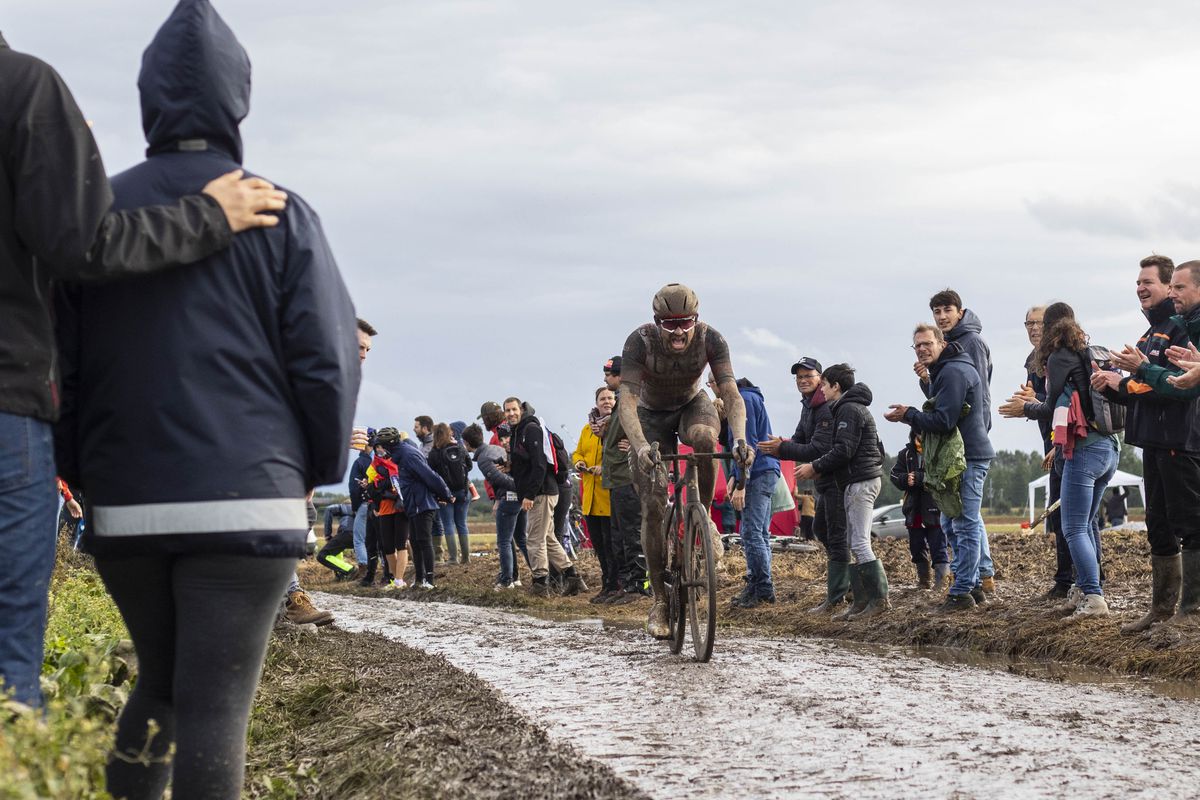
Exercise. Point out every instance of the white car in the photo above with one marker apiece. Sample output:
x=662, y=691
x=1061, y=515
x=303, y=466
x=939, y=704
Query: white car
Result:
x=888, y=522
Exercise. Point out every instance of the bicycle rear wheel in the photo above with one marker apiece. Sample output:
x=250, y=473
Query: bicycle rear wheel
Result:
x=700, y=581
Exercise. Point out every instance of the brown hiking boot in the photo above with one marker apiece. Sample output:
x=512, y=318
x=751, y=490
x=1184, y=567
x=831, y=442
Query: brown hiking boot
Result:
x=300, y=610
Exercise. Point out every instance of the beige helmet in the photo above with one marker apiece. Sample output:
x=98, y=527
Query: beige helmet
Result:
x=675, y=300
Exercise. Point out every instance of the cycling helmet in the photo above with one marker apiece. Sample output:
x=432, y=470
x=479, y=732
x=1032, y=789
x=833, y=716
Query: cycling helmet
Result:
x=387, y=437
x=675, y=300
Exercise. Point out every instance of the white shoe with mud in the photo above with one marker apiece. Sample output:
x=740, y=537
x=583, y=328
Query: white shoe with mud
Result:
x=656, y=624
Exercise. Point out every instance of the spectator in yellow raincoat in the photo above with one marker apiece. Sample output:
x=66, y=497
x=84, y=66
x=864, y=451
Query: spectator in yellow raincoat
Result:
x=596, y=509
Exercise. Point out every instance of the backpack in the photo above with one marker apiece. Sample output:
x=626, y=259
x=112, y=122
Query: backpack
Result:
x=562, y=461
x=1106, y=416
x=457, y=467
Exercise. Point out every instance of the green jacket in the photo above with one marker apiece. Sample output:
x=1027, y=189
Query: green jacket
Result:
x=945, y=462
x=616, y=471
x=1155, y=376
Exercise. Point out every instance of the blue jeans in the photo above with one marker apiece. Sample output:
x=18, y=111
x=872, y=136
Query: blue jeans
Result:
x=1085, y=477
x=965, y=533
x=27, y=536
x=360, y=533
x=756, y=532
x=454, y=516
x=510, y=521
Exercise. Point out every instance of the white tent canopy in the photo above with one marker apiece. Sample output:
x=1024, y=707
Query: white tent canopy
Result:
x=1118, y=479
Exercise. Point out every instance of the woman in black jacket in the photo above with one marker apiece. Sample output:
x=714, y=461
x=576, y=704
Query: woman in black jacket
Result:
x=926, y=540
x=450, y=461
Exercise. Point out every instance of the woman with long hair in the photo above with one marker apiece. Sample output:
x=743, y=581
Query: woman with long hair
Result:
x=595, y=504
x=449, y=459
x=1089, y=458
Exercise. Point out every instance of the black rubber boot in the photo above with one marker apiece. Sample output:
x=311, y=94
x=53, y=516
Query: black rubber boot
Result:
x=924, y=576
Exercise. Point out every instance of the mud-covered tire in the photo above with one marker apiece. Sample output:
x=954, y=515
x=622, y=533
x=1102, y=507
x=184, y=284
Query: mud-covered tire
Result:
x=700, y=582
x=676, y=605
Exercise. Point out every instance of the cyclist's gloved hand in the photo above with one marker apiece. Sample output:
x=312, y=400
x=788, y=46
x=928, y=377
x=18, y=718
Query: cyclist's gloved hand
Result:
x=743, y=454
x=647, y=458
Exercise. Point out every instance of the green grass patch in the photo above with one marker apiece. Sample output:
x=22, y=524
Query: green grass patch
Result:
x=86, y=677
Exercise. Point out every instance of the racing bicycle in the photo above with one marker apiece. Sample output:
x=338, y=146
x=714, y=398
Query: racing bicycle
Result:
x=691, y=578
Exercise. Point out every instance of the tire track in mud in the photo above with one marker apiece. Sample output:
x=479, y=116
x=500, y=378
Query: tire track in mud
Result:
x=792, y=718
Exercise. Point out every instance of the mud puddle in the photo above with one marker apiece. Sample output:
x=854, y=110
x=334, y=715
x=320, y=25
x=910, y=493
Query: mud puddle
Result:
x=804, y=718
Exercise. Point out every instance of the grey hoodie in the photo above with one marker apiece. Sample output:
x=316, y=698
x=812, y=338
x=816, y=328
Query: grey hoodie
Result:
x=488, y=457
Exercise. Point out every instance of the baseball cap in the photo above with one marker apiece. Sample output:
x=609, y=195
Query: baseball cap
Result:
x=806, y=363
x=489, y=408
x=613, y=365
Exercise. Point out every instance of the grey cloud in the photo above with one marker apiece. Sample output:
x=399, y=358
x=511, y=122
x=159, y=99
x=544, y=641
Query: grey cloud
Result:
x=1099, y=219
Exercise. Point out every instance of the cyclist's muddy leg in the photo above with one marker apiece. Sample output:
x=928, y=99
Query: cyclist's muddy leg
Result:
x=654, y=507
x=703, y=439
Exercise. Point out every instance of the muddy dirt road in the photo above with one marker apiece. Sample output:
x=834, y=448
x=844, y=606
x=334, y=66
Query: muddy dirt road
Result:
x=791, y=718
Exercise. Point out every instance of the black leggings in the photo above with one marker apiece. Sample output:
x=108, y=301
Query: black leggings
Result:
x=393, y=533
x=200, y=625
x=600, y=531
x=422, y=544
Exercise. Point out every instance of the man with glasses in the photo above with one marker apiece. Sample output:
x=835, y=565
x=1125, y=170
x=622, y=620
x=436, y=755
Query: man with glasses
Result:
x=661, y=368
x=813, y=438
x=953, y=383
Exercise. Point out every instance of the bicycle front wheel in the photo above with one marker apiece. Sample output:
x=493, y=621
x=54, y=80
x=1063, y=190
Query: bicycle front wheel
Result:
x=673, y=582
x=700, y=581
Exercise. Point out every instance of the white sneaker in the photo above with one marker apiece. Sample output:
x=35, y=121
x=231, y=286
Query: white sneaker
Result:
x=1093, y=605
x=399, y=583
x=426, y=585
x=515, y=585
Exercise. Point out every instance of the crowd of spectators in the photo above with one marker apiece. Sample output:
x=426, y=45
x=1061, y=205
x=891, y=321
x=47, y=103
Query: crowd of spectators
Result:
x=1074, y=391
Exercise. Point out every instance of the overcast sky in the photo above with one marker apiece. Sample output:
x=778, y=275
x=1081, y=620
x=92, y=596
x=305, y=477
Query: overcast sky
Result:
x=506, y=184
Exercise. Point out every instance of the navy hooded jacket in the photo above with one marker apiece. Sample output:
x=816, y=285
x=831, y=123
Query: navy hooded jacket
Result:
x=967, y=334
x=200, y=404
x=420, y=487
x=954, y=381
x=758, y=427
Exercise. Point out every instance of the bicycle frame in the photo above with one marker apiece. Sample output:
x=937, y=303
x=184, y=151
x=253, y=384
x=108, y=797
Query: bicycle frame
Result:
x=688, y=573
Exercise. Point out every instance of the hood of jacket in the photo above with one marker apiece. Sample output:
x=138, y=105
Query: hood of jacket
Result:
x=858, y=394
x=194, y=83
x=953, y=352
x=970, y=323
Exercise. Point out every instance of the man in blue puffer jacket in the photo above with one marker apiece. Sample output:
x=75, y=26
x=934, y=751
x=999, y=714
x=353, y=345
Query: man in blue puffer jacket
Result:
x=197, y=425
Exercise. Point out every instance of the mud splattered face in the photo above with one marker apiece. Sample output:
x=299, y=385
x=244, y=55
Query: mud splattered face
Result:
x=677, y=332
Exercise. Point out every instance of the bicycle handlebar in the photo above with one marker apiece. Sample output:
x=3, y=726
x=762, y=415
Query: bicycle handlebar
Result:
x=685, y=456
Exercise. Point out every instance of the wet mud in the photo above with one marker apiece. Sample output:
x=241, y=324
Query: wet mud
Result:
x=361, y=716
x=1015, y=625
x=787, y=717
